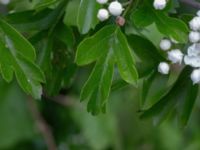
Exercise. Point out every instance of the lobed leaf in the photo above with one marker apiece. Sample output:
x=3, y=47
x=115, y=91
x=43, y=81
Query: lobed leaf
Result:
x=17, y=55
x=108, y=46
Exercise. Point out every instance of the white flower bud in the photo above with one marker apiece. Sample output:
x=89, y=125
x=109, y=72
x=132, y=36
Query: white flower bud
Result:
x=195, y=23
x=194, y=37
x=102, y=14
x=195, y=76
x=163, y=68
x=5, y=2
x=102, y=1
x=198, y=13
x=165, y=44
x=175, y=56
x=115, y=8
x=159, y=4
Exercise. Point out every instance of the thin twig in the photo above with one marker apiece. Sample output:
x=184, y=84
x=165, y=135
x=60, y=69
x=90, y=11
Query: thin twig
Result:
x=42, y=125
x=191, y=3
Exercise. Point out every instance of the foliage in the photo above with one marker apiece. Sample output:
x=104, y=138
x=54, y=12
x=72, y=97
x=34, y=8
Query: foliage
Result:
x=51, y=49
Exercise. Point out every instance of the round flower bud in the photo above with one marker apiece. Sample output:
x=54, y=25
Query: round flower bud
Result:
x=175, y=56
x=120, y=21
x=194, y=37
x=165, y=44
x=102, y=1
x=102, y=14
x=5, y=2
x=195, y=76
x=195, y=23
x=115, y=8
x=163, y=68
x=159, y=4
x=198, y=13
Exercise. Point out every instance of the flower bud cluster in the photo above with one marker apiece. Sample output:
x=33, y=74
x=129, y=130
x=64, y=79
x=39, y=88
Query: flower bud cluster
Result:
x=175, y=56
x=192, y=58
x=115, y=8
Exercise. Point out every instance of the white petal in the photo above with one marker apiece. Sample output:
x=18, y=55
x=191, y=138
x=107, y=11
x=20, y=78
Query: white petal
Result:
x=194, y=50
x=192, y=61
x=175, y=56
x=194, y=36
x=195, y=23
x=195, y=76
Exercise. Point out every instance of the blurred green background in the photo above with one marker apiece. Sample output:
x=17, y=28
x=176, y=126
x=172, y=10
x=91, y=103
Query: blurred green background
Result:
x=75, y=129
x=26, y=124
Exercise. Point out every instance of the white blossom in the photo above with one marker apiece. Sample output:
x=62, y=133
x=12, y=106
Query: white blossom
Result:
x=195, y=23
x=194, y=36
x=102, y=14
x=175, y=56
x=198, y=13
x=115, y=8
x=5, y=2
x=102, y=1
x=165, y=44
x=163, y=68
x=159, y=4
x=194, y=50
x=192, y=61
x=195, y=76
x=193, y=55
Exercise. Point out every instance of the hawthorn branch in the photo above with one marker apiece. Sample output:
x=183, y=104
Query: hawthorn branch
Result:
x=191, y=3
x=42, y=125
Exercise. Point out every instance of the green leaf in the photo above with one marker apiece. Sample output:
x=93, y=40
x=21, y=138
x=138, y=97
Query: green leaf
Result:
x=92, y=48
x=171, y=27
x=181, y=96
x=87, y=15
x=36, y=21
x=124, y=58
x=154, y=87
x=71, y=13
x=16, y=123
x=107, y=46
x=147, y=54
x=17, y=55
x=97, y=88
x=42, y=4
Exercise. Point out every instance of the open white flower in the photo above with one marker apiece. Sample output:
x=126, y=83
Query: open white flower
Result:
x=159, y=4
x=195, y=76
x=194, y=36
x=193, y=55
x=163, y=68
x=175, y=56
x=195, y=23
